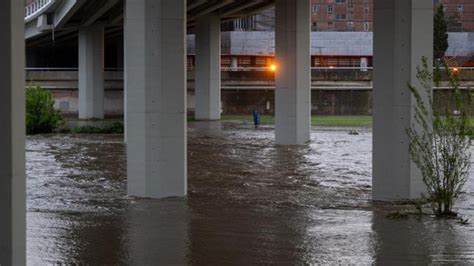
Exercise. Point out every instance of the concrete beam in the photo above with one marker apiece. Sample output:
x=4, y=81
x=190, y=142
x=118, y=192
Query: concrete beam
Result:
x=208, y=68
x=210, y=9
x=403, y=34
x=239, y=7
x=99, y=13
x=12, y=135
x=66, y=11
x=91, y=72
x=155, y=88
x=195, y=4
x=293, y=75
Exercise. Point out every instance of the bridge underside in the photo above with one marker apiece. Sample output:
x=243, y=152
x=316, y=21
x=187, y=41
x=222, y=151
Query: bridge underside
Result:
x=155, y=53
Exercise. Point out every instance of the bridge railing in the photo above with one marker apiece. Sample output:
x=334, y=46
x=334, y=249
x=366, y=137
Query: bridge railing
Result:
x=51, y=69
x=266, y=73
x=36, y=8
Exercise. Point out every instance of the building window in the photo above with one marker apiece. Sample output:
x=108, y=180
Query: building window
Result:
x=340, y=1
x=315, y=8
x=460, y=8
x=350, y=26
x=330, y=9
x=366, y=8
x=366, y=26
x=351, y=4
x=330, y=25
x=341, y=17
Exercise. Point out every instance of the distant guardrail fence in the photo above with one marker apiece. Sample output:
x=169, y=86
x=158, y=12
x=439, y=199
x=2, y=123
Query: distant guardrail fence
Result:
x=253, y=73
x=245, y=78
x=233, y=68
x=36, y=8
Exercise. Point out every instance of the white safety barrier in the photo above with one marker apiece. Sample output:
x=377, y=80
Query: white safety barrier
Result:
x=36, y=8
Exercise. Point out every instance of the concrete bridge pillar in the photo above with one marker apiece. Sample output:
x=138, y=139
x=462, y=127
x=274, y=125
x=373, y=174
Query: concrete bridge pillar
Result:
x=155, y=84
x=293, y=73
x=208, y=67
x=403, y=33
x=91, y=72
x=12, y=135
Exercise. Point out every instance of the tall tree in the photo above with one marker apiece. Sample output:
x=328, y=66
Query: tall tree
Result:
x=440, y=33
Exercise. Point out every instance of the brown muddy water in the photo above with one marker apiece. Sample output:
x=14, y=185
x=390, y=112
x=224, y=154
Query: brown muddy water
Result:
x=249, y=202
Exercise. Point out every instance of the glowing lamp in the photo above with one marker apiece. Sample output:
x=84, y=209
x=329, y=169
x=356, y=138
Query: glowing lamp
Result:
x=273, y=67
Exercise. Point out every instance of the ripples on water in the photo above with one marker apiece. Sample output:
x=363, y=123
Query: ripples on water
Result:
x=249, y=201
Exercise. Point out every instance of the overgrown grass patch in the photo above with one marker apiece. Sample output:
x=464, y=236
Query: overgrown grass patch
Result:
x=115, y=128
x=333, y=120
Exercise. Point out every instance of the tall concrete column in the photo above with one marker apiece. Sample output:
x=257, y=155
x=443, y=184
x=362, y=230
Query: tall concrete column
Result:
x=91, y=72
x=208, y=67
x=12, y=135
x=155, y=80
x=293, y=74
x=403, y=34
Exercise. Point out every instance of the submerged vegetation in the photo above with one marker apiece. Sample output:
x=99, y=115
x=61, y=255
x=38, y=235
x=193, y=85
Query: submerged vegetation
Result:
x=41, y=116
x=440, y=139
x=114, y=128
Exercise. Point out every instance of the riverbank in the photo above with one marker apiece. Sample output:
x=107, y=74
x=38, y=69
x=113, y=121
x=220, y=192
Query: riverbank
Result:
x=327, y=121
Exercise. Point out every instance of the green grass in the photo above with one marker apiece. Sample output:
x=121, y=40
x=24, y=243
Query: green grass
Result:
x=320, y=120
x=348, y=121
x=115, y=128
x=356, y=120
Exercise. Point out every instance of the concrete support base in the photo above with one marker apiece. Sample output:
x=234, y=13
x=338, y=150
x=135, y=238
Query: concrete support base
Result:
x=155, y=81
x=208, y=67
x=91, y=72
x=12, y=135
x=293, y=75
x=403, y=34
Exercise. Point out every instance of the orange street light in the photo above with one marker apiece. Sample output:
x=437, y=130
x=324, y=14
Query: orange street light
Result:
x=273, y=67
x=455, y=69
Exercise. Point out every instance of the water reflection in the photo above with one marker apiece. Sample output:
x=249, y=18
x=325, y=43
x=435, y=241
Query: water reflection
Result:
x=250, y=217
x=249, y=202
x=157, y=232
x=421, y=240
x=340, y=237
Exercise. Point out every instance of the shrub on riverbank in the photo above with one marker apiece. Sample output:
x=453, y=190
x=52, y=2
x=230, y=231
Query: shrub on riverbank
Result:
x=41, y=117
x=115, y=128
x=440, y=141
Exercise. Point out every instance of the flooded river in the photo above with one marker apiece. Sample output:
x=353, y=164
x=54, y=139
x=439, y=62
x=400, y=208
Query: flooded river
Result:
x=249, y=202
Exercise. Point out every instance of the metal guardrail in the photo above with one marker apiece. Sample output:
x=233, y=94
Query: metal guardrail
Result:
x=233, y=68
x=48, y=69
x=36, y=8
x=242, y=68
x=268, y=68
x=57, y=69
x=343, y=68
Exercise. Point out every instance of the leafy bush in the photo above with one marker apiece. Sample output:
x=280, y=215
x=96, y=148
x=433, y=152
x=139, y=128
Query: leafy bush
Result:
x=115, y=128
x=41, y=117
x=440, y=141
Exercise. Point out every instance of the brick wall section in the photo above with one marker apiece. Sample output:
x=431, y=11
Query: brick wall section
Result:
x=460, y=14
x=356, y=15
x=342, y=15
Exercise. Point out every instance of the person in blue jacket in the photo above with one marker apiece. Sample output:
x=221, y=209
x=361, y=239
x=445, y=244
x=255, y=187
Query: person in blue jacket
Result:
x=256, y=118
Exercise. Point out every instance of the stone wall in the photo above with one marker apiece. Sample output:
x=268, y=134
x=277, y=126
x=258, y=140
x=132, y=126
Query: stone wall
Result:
x=333, y=93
